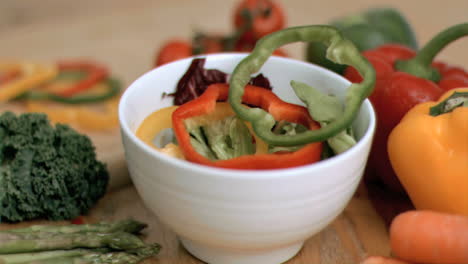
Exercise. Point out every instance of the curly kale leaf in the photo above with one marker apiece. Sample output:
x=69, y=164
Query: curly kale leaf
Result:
x=46, y=172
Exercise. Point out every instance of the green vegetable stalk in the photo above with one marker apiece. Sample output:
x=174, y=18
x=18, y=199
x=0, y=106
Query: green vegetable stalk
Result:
x=82, y=256
x=129, y=226
x=26, y=242
x=92, y=243
x=367, y=30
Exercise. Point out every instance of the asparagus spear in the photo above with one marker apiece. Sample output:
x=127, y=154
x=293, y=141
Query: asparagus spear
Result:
x=41, y=241
x=130, y=226
x=41, y=256
x=82, y=256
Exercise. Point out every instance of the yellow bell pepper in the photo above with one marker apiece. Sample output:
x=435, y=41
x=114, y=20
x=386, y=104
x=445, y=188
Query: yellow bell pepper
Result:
x=429, y=153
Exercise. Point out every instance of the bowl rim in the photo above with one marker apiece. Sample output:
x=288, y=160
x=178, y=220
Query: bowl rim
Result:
x=248, y=173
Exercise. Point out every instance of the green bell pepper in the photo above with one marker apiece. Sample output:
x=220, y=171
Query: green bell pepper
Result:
x=367, y=30
x=339, y=49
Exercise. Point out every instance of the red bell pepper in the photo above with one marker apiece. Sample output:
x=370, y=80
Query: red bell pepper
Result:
x=255, y=96
x=96, y=73
x=404, y=79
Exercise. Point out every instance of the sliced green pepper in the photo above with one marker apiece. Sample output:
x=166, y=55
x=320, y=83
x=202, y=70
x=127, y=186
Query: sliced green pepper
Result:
x=327, y=108
x=113, y=88
x=340, y=50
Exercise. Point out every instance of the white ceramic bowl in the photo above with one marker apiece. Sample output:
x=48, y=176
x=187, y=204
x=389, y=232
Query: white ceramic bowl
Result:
x=241, y=217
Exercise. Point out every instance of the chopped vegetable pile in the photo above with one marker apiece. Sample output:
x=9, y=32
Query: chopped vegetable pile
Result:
x=45, y=171
x=80, y=93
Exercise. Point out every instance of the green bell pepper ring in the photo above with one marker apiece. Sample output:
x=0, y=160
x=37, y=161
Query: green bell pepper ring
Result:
x=339, y=50
x=113, y=88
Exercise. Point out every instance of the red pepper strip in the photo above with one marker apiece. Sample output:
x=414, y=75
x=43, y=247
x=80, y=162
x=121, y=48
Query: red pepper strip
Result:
x=9, y=75
x=256, y=96
x=96, y=72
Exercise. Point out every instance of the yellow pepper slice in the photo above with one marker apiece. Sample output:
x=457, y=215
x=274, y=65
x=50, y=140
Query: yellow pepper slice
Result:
x=31, y=75
x=103, y=118
x=155, y=124
x=162, y=119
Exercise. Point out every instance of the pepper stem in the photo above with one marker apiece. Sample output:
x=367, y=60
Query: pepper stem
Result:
x=420, y=65
x=457, y=99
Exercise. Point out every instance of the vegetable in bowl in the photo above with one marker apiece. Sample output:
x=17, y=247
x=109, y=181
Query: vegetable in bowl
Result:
x=263, y=111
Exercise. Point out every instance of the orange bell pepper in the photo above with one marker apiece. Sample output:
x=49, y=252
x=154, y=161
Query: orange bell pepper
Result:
x=428, y=150
x=256, y=96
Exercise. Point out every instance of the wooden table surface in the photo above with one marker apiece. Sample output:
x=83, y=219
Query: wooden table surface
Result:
x=126, y=34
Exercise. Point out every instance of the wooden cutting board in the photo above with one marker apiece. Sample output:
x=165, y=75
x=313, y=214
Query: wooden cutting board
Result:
x=357, y=232
x=126, y=34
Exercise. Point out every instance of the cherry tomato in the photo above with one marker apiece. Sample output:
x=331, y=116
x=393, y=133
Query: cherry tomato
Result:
x=206, y=44
x=172, y=51
x=258, y=18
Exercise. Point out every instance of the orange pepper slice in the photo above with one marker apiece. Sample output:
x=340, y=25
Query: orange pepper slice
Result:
x=31, y=75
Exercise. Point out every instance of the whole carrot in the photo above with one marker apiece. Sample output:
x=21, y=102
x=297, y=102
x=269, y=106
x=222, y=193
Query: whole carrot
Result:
x=430, y=237
x=382, y=260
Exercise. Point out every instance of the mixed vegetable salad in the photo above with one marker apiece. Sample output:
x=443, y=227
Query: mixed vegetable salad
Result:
x=269, y=133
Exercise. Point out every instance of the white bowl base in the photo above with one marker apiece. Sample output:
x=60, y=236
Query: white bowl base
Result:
x=213, y=255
